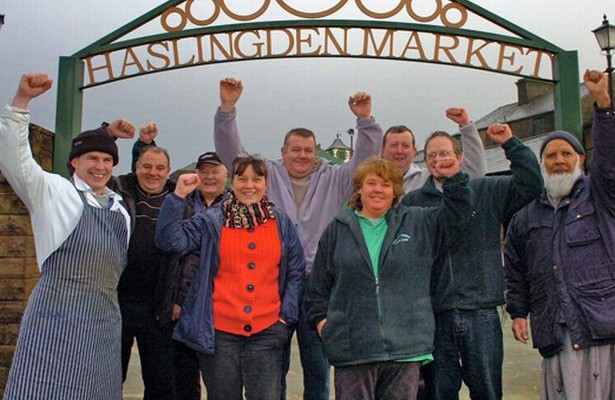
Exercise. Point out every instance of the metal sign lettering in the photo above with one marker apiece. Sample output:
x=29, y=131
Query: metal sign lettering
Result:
x=315, y=41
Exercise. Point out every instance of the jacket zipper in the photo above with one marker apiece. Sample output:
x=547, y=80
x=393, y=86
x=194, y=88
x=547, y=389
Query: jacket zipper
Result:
x=380, y=322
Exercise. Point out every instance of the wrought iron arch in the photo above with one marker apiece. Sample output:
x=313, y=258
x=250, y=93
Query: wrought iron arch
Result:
x=312, y=34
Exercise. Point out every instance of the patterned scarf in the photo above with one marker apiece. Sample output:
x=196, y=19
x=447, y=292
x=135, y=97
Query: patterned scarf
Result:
x=239, y=216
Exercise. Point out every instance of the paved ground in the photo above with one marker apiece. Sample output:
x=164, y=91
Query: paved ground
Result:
x=521, y=373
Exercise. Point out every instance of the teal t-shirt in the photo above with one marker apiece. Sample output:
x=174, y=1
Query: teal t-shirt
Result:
x=374, y=231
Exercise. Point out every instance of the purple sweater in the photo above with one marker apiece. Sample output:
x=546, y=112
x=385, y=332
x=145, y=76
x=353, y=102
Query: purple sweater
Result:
x=330, y=185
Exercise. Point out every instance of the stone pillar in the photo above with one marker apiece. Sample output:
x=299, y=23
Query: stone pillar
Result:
x=18, y=268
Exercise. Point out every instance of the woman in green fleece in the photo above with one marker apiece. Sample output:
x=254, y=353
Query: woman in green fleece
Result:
x=368, y=294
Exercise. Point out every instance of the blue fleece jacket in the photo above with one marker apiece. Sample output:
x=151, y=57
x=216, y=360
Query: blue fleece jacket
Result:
x=202, y=232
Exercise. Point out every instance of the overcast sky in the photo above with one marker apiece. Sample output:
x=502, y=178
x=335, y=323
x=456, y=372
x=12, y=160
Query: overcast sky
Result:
x=278, y=94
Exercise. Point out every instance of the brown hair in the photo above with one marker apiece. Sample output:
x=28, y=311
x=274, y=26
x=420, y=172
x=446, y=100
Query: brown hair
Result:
x=397, y=129
x=301, y=132
x=384, y=169
x=258, y=164
x=455, y=142
x=155, y=150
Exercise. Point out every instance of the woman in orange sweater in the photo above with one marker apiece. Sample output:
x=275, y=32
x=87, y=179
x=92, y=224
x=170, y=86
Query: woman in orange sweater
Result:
x=242, y=304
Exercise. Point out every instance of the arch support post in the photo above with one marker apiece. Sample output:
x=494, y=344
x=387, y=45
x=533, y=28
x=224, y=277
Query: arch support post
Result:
x=567, y=95
x=69, y=110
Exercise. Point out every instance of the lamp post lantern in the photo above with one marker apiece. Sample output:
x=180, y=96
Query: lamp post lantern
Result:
x=605, y=35
x=351, y=134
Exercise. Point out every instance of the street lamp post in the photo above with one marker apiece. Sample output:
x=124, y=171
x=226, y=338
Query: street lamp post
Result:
x=351, y=134
x=605, y=35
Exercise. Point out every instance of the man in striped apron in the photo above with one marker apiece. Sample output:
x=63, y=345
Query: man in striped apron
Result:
x=69, y=340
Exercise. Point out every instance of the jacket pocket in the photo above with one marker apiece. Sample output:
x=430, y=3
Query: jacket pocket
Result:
x=542, y=324
x=543, y=312
x=336, y=340
x=539, y=233
x=539, y=291
x=596, y=301
x=581, y=228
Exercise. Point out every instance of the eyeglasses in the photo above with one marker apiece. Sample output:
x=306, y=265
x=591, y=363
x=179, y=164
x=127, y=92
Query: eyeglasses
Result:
x=442, y=154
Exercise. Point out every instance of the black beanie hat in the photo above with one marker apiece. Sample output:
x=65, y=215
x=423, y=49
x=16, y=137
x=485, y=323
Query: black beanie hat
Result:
x=574, y=142
x=94, y=140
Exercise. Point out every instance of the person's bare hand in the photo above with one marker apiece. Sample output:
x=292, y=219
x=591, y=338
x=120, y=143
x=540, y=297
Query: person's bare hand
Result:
x=148, y=132
x=30, y=86
x=360, y=104
x=320, y=325
x=598, y=85
x=520, y=331
x=499, y=133
x=176, y=312
x=459, y=115
x=230, y=92
x=121, y=128
x=186, y=184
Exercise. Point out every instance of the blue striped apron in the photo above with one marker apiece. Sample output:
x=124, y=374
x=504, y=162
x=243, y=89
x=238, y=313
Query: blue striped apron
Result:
x=70, y=336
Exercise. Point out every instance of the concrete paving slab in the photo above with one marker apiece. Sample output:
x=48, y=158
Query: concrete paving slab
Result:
x=521, y=372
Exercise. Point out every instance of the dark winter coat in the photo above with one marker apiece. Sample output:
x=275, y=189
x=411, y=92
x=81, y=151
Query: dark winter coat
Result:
x=560, y=262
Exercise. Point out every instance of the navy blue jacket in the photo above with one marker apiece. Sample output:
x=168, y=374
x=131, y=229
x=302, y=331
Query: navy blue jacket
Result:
x=560, y=262
x=202, y=232
x=182, y=267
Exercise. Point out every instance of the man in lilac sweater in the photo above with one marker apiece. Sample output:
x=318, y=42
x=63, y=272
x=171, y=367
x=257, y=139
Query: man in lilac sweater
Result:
x=311, y=191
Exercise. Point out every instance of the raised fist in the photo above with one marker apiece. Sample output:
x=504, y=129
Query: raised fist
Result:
x=230, y=92
x=360, y=104
x=186, y=184
x=499, y=133
x=148, y=132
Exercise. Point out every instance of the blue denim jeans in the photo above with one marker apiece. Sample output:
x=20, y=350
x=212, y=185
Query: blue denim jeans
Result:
x=250, y=363
x=475, y=338
x=316, y=368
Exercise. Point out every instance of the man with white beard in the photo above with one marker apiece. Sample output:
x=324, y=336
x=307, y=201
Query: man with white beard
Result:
x=560, y=261
x=565, y=170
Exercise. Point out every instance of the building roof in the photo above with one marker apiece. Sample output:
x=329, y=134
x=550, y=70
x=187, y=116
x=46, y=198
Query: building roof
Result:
x=498, y=164
x=337, y=144
x=515, y=111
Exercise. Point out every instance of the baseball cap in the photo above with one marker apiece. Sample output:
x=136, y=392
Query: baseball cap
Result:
x=208, y=158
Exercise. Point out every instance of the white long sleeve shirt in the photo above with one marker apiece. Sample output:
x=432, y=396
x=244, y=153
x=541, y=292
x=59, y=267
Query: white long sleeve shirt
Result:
x=53, y=201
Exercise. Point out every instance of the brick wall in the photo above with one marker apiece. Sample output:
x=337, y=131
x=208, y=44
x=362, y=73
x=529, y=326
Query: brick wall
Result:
x=18, y=269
